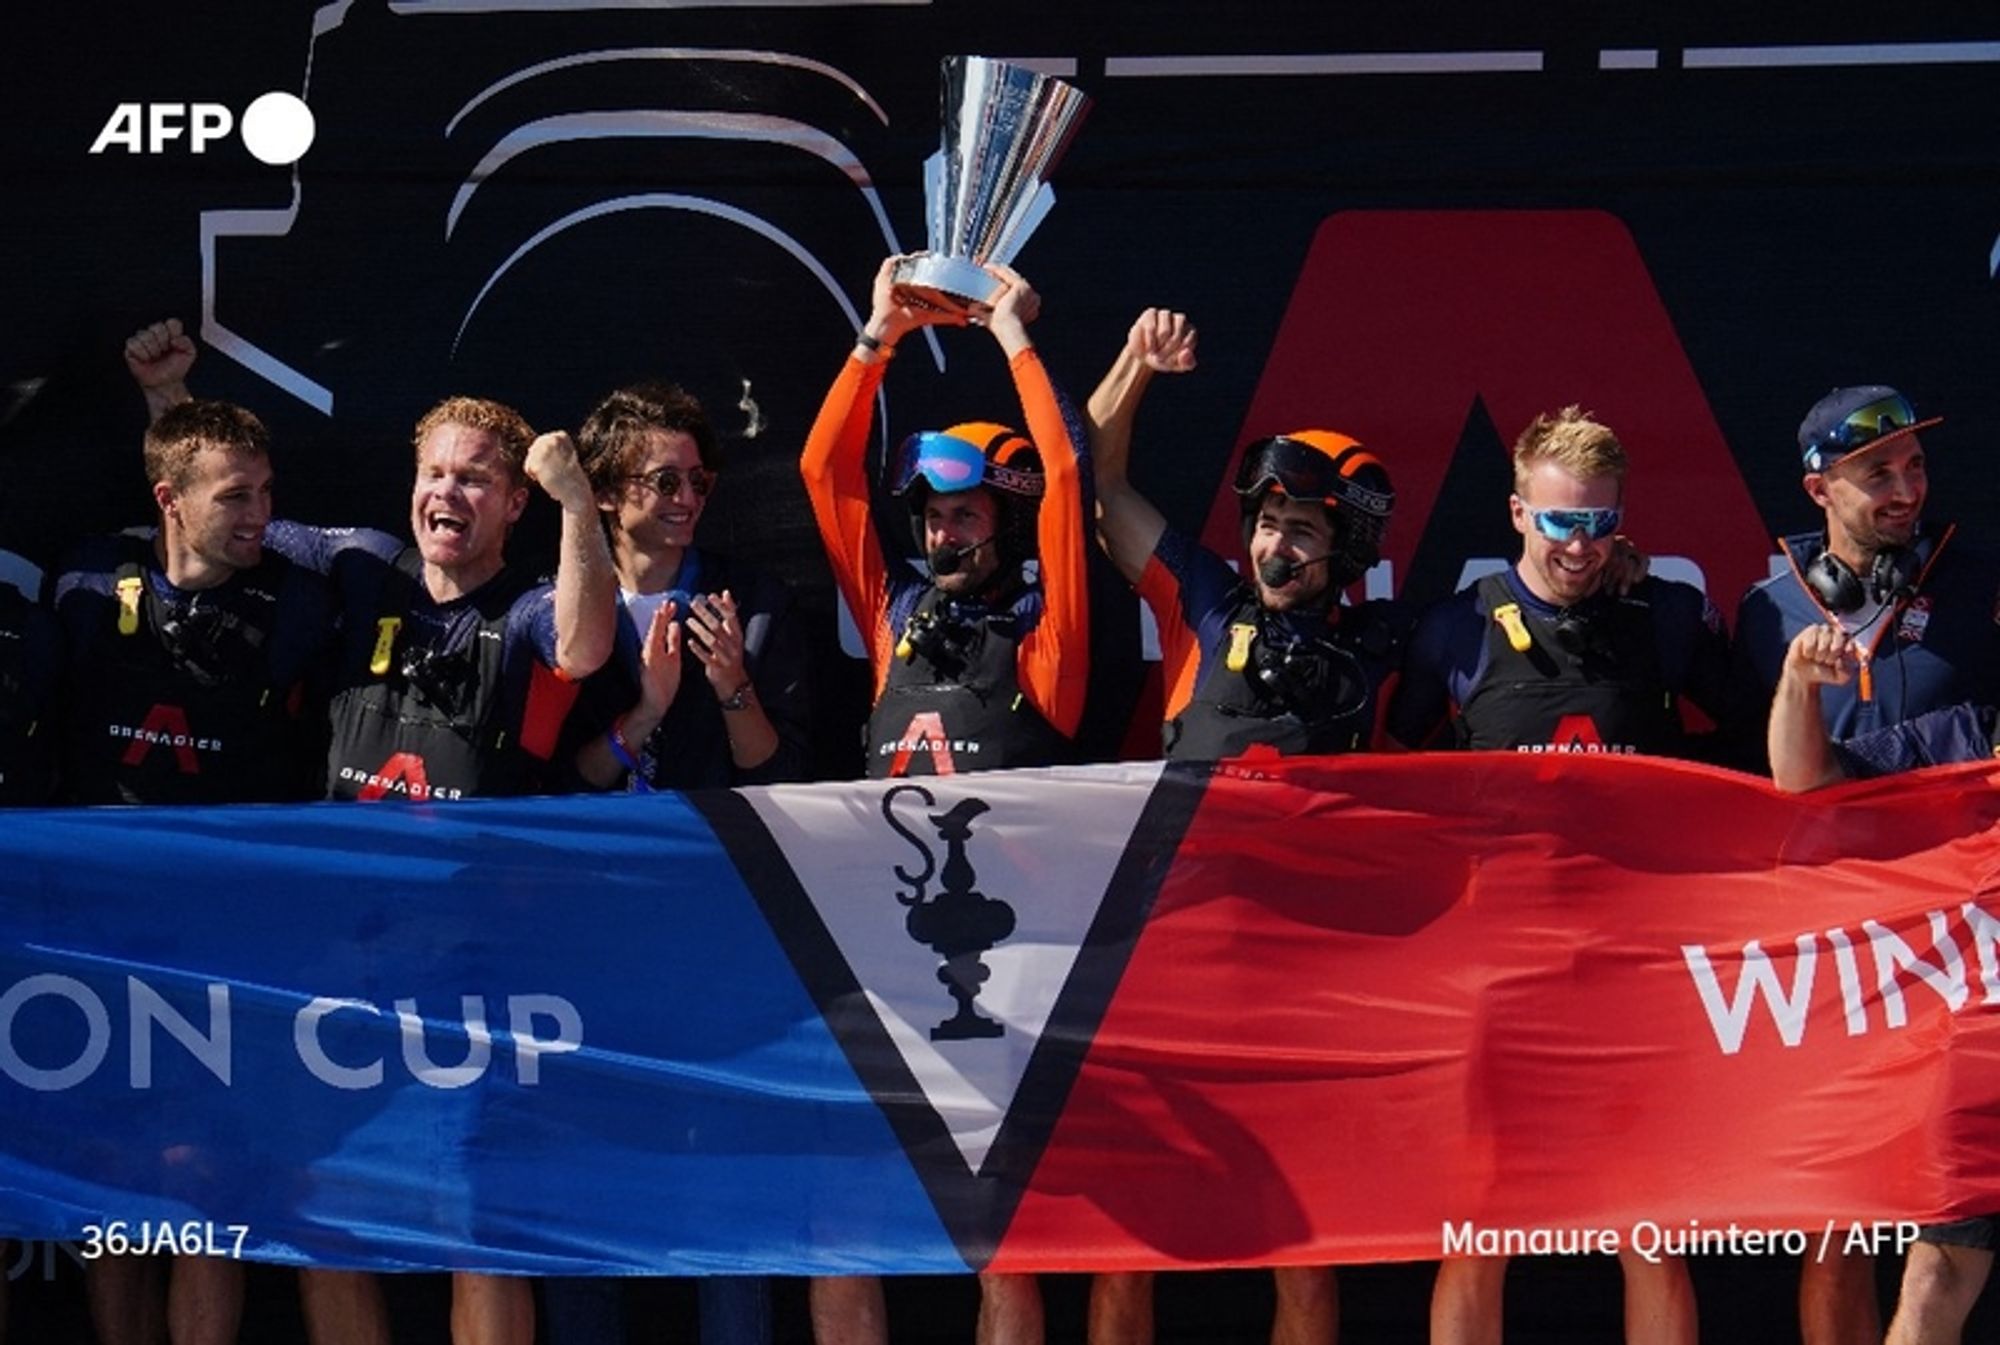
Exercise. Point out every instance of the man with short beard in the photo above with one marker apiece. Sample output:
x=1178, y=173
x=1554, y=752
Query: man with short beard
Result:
x=976, y=668
x=1273, y=661
x=1910, y=640
x=189, y=648
x=1918, y=605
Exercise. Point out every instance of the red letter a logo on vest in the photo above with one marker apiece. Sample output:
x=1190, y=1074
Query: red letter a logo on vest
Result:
x=925, y=734
x=164, y=726
x=1576, y=733
x=402, y=774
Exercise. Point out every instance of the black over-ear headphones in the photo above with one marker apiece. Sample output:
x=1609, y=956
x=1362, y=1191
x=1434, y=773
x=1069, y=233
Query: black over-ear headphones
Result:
x=1891, y=578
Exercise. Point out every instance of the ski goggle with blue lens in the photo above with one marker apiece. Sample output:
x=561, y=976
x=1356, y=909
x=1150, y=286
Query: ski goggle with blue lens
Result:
x=1560, y=525
x=1858, y=429
x=948, y=463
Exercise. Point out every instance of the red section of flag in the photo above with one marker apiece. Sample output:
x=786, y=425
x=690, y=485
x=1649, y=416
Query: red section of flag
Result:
x=1381, y=996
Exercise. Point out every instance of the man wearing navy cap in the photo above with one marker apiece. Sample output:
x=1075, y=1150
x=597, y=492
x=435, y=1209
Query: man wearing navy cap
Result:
x=1918, y=605
x=1914, y=613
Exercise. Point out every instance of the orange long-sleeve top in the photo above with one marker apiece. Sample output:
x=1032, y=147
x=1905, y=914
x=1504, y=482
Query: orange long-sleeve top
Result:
x=1054, y=658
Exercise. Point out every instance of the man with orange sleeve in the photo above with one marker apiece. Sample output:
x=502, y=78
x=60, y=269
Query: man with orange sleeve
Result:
x=977, y=667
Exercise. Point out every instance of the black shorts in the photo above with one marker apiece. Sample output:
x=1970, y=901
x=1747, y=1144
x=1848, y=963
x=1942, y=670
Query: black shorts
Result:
x=1976, y=1232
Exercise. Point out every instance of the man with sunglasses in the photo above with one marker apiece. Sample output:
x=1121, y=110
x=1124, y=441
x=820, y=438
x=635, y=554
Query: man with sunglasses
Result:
x=1916, y=625
x=1918, y=606
x=1556, y=653
x=975, y=668
x=1549, y=656
x=707, y=688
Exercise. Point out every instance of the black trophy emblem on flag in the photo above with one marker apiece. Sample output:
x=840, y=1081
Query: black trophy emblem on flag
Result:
x=958, y=922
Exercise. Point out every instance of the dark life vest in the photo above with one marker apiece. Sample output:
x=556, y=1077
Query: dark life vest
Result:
x=418, y=721
x=1590, y=681
x=1289, y=683
x=953, y=700
x=173, y=703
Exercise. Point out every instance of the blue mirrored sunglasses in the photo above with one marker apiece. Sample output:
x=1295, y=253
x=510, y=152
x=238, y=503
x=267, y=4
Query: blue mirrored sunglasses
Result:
x=1559, y=525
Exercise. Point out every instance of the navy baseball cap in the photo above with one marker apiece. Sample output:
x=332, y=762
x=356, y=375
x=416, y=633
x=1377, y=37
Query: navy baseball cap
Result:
x=1848, y=420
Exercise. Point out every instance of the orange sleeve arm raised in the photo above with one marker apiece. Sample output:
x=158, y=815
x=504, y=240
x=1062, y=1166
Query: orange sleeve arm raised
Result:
x=836, y=475
x=1055, y=656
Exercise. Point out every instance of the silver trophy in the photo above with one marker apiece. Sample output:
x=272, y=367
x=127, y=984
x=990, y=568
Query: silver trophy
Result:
x=1005, y=128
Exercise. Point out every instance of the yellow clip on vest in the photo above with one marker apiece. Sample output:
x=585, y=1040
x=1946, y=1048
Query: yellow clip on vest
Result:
x=129, y=589
x=1509, y=617
x=385, y=645
x=1240, y=637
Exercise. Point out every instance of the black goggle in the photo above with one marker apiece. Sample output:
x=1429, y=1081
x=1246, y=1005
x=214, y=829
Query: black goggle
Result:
x=1301, y=472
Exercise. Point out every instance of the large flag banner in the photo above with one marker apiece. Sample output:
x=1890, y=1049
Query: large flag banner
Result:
x=1122, y=1016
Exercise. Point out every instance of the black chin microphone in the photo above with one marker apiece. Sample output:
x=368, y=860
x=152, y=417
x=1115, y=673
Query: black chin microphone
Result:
x=947, y=561
x=1276, y=571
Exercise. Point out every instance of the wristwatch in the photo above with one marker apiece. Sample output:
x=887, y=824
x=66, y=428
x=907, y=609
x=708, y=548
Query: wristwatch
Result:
x=740, y=698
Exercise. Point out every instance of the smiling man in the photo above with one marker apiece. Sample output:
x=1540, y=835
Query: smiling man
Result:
x=708, y=687
x=1918, y=606
x=188, y=647
x=1911, y=614
x=976, y=667
x=979, y=666
x=1271, y=663
x=1547, y=656
x=1275, y=661
x=456, y=669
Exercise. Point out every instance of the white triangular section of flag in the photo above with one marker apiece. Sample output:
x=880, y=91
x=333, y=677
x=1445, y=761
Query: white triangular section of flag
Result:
x=1048, y=849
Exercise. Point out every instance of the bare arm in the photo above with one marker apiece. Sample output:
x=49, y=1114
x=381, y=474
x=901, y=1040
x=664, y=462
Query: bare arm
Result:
x=1128, y=526
x=586, y=591
x=159, y=358
x=1801, y=753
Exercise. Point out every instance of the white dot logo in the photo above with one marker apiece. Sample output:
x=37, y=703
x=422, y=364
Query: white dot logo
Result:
x=278, y=128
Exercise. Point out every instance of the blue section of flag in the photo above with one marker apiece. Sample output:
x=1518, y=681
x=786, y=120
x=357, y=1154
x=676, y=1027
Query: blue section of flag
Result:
x=709, y=1121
